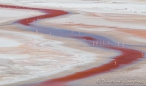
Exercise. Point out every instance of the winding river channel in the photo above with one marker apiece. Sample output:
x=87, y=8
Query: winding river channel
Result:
x=126, y=57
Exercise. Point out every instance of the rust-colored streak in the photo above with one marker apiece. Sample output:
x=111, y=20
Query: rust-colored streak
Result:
x=27, y=21
x=127, y=55
x=49, y=13
x=86, y=38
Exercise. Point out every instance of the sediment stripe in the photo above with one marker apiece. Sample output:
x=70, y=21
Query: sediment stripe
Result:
x=127, y=56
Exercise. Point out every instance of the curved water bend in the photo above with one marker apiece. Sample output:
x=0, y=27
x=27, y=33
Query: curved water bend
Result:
x=127, y=56
x=28, y=21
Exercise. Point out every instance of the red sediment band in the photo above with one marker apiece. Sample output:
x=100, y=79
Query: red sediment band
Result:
x=49, y=13
x=86, y=38
x=127, y=56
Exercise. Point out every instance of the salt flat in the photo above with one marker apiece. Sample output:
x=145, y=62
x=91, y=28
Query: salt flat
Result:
x=34, y=55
